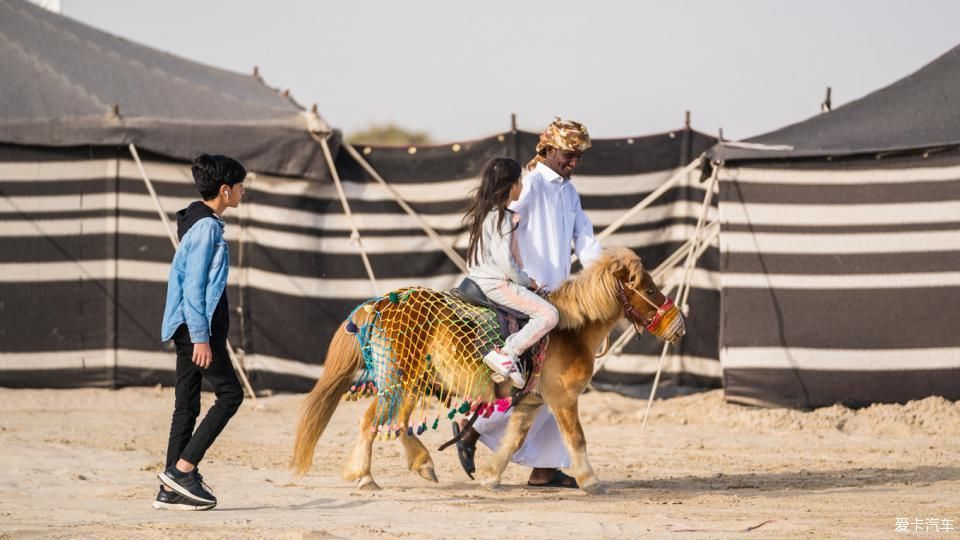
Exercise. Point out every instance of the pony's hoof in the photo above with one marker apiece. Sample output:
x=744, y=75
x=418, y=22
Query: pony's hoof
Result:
x=490, y=484
x=595, y=488
x=367, y=484
x=427, y=473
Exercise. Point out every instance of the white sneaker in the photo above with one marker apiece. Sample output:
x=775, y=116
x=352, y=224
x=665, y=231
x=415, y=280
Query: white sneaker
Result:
x=516, y=378
x=503, y=366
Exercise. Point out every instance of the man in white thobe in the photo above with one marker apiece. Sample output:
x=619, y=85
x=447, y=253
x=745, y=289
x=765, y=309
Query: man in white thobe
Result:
x=551, y=221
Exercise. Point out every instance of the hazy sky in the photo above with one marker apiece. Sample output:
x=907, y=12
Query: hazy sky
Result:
x=458, y=69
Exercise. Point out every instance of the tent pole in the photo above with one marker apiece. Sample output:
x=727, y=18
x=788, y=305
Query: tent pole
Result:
x=153, y=196
x=684, y=288
x=173, y=240
x=686, y=145
x=354, y=232
x=515, y=143
x=453, y=255
x=688, y=268
x=648, y=200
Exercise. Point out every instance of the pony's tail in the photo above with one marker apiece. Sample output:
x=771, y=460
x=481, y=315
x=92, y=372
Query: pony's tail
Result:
x=343, y=360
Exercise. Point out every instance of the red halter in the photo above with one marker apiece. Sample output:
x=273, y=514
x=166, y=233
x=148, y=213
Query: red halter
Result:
x=634, y=315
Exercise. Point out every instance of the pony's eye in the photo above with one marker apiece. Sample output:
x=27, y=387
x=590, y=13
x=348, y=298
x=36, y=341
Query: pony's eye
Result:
x=651, y=290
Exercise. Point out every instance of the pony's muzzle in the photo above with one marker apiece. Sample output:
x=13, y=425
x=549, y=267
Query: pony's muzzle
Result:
x=668, y=324
x=678, y=333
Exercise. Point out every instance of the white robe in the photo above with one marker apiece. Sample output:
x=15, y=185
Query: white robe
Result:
x=543, y=447
x=551, y=220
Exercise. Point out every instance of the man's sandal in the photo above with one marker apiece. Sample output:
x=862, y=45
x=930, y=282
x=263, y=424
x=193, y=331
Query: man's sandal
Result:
x=465, y=453
x=559, y=480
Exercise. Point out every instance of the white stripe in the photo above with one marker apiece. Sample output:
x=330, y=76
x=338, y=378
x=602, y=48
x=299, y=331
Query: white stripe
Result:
x=643, y=364
x=308, y=287
x=33, y=272
x=300, y=242
x=251, y=362
x=272, y=364
x=256, y=279
x=827, y=175
x=372, y=244
x=334, y=220
x=836, y=214
x=86, y=359
x=341, y=288
x=147, y=360
x=95, y=359
x=414, y=192
x=94, y=170
x=159, y=360
x=421, y=243
x=453, y=189
x=410, y=244
x=839, y=359
x=57, y=203
x=891, y=242
x=389, y=221
x=846, y=281
x=71, y=227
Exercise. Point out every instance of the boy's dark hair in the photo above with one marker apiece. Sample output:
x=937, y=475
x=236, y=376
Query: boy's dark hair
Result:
x=211, y=172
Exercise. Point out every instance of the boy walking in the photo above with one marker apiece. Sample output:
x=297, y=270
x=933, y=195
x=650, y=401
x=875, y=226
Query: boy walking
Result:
x=197, y=318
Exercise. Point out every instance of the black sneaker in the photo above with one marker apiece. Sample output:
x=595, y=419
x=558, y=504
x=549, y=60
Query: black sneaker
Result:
x=171, y=500
x=196, y=472
x=187, y=484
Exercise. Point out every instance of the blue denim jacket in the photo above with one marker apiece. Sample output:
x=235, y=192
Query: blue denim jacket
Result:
x=198, y=276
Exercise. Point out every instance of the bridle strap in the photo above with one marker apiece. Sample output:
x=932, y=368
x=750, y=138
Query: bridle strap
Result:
x=632, y=313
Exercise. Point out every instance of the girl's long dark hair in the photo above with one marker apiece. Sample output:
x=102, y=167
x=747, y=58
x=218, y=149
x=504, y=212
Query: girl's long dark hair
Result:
x=497, y=179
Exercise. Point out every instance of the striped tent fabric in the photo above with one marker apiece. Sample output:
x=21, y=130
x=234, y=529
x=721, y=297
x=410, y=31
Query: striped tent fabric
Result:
x=85, y=257
x=839, y=280
x=840, y=246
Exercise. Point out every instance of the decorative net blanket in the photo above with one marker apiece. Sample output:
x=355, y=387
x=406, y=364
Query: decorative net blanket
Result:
x=418, y=343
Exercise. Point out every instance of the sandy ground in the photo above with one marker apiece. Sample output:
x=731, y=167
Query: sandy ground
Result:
x=82, y=463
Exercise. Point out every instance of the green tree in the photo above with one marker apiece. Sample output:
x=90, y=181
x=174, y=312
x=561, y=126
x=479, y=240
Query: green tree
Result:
x=389, y=133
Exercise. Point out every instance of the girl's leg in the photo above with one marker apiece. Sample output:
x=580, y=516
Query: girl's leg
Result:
x=543, y=316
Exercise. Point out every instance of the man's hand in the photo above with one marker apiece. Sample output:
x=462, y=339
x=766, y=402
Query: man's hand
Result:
x=202, y=356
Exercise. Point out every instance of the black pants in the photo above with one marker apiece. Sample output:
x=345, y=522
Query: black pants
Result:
x=184, y=443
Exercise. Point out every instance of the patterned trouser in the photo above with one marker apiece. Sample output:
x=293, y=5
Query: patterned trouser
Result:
x=543, y=316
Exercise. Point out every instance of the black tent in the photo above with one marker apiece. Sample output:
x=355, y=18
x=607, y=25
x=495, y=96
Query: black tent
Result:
x=76, y=86
x=84, y=258
x=840, y=250
x=920, y=111
x=83, y=251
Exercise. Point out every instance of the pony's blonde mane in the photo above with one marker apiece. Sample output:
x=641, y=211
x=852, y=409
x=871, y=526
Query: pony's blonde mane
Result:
x=591, y=295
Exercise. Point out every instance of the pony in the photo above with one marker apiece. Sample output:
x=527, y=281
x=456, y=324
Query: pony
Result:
x=614, y=287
